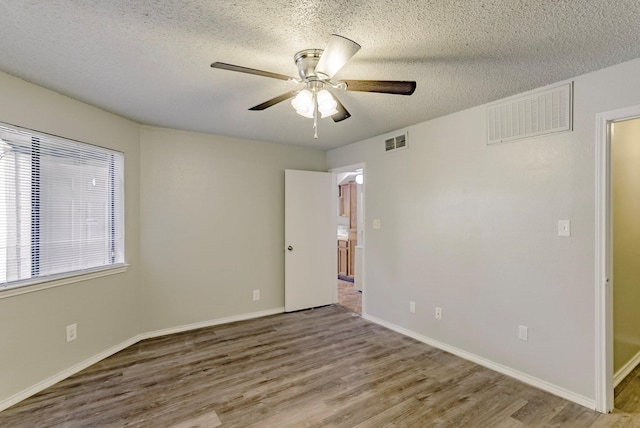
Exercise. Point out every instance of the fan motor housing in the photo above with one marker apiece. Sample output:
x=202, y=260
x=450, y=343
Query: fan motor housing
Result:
x=306, y=61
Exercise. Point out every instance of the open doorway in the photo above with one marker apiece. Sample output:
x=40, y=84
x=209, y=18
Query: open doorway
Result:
x=617, y=252
x=625, y=228
x=350, y=237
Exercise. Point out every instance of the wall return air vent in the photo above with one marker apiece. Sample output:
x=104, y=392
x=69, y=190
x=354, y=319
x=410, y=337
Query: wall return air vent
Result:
x=538, y=113
x=395, y=143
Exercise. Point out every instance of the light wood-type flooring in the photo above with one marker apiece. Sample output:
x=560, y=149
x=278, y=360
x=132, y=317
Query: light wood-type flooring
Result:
x=325, y=367
x=349, y=297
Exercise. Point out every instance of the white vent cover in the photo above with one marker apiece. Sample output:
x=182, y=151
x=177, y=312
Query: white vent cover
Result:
x=531, y=115
x=395, y=143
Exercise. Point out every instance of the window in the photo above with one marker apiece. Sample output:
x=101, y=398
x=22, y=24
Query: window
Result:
x=61, y=207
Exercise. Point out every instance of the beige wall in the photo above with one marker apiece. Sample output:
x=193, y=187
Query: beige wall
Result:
x=212, y=224
x=33, y=345
x=625, y=179
x=473, y=229
x=212, y=217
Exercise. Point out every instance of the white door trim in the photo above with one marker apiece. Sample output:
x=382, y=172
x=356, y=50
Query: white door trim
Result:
x=603, y=252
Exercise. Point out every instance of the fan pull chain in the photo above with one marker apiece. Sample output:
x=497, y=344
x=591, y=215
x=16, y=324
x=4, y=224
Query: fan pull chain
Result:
x=315, y=114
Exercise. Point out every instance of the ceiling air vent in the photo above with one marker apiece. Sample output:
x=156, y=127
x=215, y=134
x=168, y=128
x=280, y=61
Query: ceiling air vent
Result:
x=395, y=143
x=531, y=115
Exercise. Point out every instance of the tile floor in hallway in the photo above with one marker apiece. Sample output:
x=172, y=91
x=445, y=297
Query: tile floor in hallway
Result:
x=349, y=297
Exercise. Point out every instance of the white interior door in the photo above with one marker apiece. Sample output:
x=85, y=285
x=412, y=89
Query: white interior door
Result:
x=310, y=239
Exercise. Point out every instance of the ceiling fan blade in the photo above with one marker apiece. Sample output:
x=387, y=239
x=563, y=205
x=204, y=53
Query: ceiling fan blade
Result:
x=274, y=101
x=231, y=67
x=336, y=55
x=342, y=113
x=382, y=86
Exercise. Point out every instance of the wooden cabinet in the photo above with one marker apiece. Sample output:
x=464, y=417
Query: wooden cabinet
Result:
x=345, y=200
x=352, y=252
x=343, y=257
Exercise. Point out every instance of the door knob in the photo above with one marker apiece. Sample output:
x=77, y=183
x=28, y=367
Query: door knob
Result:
x=290, y=248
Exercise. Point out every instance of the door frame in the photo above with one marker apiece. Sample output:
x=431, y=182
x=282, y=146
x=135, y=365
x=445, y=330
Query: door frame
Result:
x=604, y=255
x=336, y=171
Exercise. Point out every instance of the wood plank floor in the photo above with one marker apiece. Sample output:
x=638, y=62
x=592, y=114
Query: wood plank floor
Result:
x=325, y=367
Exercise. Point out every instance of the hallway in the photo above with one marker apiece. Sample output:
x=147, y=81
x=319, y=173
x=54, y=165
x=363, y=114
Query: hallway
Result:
x=627, y=393
x=349, y=297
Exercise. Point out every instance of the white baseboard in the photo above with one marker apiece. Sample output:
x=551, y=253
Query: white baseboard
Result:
x=41, y=386
x=626, y=369
x=553, y=389
x=212, y=323
x=538, y=383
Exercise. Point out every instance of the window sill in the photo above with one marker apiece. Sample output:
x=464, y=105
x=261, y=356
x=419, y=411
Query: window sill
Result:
x=43, y=284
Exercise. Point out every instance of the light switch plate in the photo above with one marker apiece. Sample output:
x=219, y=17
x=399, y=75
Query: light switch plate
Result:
x=523, y=333
x=376, y=223
x=564, y=228
x=72, y=332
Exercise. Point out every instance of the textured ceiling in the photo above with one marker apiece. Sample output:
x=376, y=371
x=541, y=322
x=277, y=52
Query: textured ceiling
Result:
x=149, y=60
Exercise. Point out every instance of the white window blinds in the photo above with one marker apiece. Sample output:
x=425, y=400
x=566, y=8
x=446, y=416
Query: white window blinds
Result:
x=61, y=207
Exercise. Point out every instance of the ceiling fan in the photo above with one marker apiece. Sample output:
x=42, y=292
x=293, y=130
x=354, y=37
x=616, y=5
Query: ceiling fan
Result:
x=316, y=68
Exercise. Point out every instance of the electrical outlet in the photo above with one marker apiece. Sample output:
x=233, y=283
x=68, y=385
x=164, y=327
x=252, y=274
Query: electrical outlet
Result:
x=438, y=313
x=564, y=228
x=412, y=307
x=256, y=294
x=72, y=332
x=523, y=333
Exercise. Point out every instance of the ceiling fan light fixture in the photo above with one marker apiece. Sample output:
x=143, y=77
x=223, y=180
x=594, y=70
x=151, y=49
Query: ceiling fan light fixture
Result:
x=328, y=113
x=327, y=105
x=303, y=103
